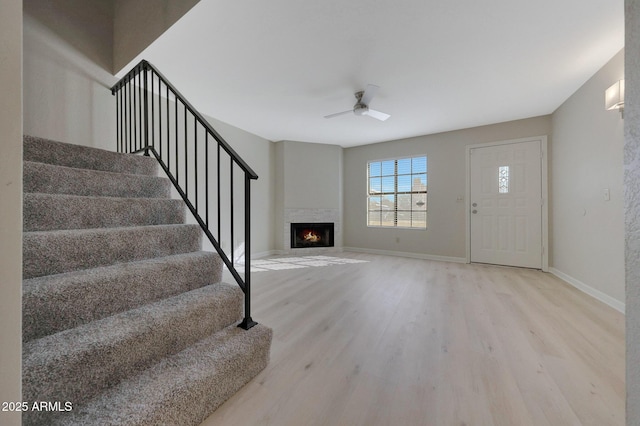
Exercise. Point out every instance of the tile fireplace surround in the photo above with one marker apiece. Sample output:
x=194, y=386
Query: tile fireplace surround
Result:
x=312, y=216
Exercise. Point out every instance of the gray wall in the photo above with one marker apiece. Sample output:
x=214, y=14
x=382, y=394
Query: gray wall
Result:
x=67, y=94
x=632, y=209
x=138, y=23
x=445, y=237
x=11, y=206
x=86, y=26
x=587, y=232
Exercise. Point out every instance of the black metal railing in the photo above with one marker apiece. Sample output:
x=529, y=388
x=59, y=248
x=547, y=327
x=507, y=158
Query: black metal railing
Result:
x=152, y=117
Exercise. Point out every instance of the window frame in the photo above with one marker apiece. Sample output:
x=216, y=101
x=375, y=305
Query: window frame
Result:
x=396, y=192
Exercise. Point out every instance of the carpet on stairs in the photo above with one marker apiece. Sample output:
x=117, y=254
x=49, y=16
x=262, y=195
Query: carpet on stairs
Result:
x=125, y=318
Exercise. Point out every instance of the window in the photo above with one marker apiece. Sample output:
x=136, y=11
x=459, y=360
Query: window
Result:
x=503, y=179
x=397, y=193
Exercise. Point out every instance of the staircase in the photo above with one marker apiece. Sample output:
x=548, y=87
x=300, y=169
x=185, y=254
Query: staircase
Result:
x=125, y=319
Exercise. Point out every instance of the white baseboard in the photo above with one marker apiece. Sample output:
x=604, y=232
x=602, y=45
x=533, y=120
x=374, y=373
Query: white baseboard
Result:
x=597, y=294
x=408, y=254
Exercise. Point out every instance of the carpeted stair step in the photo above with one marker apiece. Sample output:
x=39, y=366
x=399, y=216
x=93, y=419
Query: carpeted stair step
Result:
x=83, y=157
x=79, y=363
x=46, y=212
x=59, y=302
x=183, y=389
x=52, y=179
x=55, y=252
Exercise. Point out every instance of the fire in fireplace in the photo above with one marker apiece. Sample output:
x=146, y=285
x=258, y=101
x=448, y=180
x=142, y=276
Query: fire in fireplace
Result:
x=311, y=235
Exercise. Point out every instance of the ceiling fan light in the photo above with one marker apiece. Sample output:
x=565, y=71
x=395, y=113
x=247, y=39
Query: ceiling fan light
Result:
x=361, y=110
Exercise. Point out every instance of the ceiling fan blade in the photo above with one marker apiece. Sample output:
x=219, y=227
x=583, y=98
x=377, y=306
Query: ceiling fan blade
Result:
x=339, y=114
x=369, y=93
x=377, y=114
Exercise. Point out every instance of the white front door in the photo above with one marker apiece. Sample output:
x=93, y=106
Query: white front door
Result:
x=506, y=204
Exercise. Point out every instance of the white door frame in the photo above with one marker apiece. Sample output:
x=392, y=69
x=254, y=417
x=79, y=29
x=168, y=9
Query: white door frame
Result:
x=545, y=194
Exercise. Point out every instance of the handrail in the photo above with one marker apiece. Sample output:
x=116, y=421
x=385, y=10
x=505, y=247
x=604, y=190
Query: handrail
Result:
x=139, y=128
x=144, y=64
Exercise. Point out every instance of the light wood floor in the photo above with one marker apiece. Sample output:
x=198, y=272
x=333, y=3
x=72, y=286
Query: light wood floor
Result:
x=401, y=341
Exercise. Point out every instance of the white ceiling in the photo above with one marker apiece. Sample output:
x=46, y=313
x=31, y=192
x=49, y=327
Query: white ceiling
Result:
x=276, y=68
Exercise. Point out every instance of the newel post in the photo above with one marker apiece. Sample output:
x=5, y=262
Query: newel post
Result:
x=247, y=322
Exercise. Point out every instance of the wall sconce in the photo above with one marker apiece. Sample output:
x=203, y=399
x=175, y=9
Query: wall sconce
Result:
x=614, y=97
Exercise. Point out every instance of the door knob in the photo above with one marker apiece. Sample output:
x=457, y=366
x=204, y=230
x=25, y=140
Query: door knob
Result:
x=474, y=211
x=475, y=204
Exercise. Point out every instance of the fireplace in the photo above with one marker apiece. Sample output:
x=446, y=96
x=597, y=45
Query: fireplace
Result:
x=304, y=235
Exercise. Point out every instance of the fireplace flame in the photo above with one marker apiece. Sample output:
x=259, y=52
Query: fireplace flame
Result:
x=311, y=237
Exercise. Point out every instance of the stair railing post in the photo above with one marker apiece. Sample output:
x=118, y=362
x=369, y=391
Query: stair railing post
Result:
x=146, y=110
x=247, y=322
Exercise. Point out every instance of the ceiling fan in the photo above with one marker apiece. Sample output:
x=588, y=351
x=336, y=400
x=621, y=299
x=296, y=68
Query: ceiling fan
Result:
x=362, y=105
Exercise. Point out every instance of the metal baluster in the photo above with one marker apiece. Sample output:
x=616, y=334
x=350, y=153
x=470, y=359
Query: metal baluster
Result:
x=168, y=133
x=186, y=175
x=206, y=175
x=195, y=157
x=146, y=112
x=135, y=108
x=218, y=159
x=176, y=142
x=159, y=117
x=125, y=139
x=152, y=132
x=231, y=200
x=139, y=119
x=118, y=122
x=121, y=92
x=130, y=110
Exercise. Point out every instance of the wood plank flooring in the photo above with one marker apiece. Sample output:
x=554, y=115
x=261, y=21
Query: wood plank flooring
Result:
x=399, y=341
